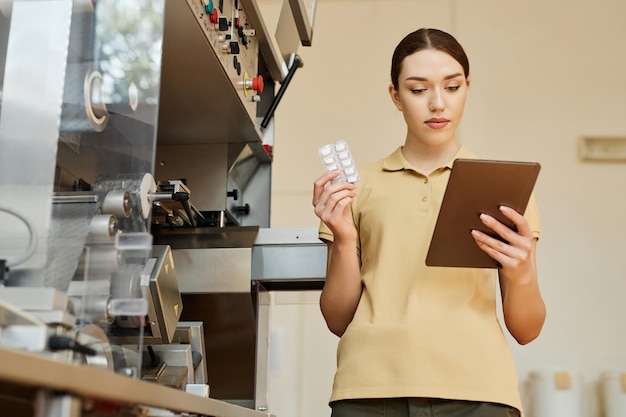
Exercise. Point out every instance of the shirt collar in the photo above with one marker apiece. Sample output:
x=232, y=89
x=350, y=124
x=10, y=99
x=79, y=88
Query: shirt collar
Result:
x=397, y=162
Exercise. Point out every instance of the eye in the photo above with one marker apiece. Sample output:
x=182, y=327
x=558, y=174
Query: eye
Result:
x=417, y=90
x=453, y=87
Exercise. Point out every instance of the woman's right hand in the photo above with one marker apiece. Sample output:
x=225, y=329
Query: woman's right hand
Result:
x=342, y=287
x=332, y=204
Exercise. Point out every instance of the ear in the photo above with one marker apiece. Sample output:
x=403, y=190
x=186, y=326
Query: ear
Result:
x=395, y=97
x=468, y=81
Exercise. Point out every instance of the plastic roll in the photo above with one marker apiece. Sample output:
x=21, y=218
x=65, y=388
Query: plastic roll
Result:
x=614, y=393
x=102, y=229
x=555, y=394
x=117, y=202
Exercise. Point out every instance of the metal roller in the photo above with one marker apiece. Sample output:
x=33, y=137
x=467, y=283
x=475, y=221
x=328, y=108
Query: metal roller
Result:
x=139, y=187
x=117, y=202
x=102, y=229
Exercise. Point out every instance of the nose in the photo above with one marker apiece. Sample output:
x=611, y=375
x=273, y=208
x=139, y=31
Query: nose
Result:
x=437, y=102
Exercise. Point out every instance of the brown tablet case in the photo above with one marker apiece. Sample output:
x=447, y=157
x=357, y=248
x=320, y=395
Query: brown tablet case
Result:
x=477, y=186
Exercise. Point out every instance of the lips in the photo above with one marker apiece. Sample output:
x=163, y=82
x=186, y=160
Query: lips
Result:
x=437, y=123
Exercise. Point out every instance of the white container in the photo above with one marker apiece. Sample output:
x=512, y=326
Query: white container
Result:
x=613, y=385
x=555, y=394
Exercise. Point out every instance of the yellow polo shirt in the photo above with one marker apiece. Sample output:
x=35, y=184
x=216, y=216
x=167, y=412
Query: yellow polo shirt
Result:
x=419, y=331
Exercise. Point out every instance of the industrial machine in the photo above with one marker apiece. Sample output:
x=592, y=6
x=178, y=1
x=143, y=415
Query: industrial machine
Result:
x=135, y=163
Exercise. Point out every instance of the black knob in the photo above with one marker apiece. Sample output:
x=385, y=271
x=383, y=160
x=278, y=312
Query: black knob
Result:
x=245, y=209
x=234, y=194
x=180, y=196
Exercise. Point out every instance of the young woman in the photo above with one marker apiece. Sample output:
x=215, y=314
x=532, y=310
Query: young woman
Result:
x=419, y=340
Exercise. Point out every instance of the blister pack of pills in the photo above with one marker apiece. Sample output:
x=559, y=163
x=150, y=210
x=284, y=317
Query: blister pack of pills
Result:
x=337, y=157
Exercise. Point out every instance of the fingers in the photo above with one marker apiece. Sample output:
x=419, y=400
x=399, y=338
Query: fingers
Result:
x=320, y=184
x=505, y=232
x=519, y=246
x=332, y=203
x=323, y=189
x=520, y=221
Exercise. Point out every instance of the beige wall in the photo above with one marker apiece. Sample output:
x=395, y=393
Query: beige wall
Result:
x=544, y=74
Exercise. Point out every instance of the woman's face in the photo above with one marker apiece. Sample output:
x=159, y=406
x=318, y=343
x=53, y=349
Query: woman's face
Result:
x=431, y=94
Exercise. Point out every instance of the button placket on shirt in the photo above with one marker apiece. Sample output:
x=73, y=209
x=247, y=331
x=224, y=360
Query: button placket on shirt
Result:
x=424, y=194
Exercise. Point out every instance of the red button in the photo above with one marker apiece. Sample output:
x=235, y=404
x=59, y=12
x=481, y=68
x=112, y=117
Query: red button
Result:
x=257, y=84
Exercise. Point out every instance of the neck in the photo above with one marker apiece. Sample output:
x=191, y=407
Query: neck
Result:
x=427, y=158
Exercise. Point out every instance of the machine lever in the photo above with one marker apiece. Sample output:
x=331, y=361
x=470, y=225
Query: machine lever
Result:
x=295, y=64
x=177, y=196
x=57, y=342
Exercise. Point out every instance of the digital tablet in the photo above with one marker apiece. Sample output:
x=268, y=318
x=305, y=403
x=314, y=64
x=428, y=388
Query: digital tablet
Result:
x=477, y=186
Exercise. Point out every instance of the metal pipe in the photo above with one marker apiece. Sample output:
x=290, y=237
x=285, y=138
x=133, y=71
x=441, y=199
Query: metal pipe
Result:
x=74, y=197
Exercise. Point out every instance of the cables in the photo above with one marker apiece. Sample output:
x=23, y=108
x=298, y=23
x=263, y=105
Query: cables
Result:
x=32, y=239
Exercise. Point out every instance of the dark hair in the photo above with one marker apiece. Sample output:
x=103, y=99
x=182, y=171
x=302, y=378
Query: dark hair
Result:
x=425, y=38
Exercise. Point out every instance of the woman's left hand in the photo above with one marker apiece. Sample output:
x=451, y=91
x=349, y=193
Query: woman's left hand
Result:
x=515, y=257
x=522, y=304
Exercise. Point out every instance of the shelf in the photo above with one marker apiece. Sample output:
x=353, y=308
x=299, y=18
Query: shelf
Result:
x=31, y=370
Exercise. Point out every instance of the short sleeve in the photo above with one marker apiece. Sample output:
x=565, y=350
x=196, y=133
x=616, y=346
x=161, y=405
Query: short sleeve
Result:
x=532, y=216
x=324, y=233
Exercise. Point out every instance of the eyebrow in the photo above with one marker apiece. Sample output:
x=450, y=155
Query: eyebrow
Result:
x=447, y=77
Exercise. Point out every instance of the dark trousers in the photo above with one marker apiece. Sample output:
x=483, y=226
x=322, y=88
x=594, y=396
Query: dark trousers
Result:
x=419, y=407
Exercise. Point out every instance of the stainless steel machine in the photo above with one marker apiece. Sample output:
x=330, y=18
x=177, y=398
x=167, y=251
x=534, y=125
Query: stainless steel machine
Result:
x=135, y=164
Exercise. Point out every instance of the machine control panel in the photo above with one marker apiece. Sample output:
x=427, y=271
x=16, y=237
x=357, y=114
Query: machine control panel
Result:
x=232, y=37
